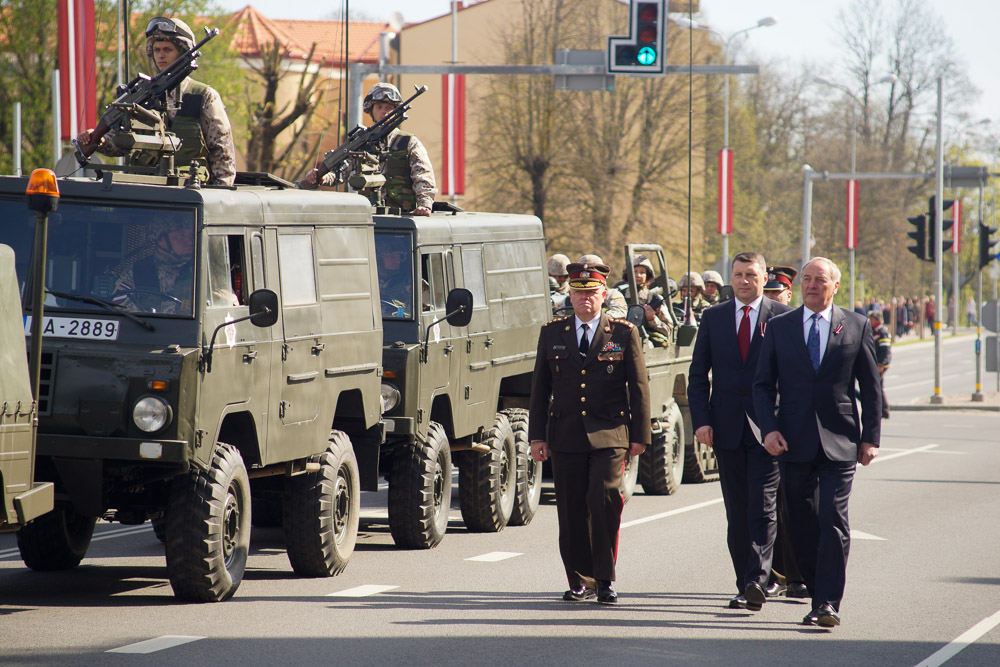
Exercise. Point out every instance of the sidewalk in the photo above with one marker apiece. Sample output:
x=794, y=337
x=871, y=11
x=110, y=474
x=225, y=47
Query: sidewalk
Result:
x=990, y=403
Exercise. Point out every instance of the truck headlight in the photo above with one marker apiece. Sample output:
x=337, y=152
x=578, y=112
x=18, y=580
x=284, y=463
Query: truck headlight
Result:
x=390, y=397
x=151, y=413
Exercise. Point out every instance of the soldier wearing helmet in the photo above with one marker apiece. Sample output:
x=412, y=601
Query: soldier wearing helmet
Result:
x=656, y=307
x=713, y=283
x=691, y=287
x=409, y=174
x=194, y=110
x=558, y=275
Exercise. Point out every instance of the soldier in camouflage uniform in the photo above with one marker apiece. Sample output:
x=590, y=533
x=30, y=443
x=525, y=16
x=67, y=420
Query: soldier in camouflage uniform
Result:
x=409, y=174
x=692, y=286
x=195, y=112
x=713, y=283
x=657, y=317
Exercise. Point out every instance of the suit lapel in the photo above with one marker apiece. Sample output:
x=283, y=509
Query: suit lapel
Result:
x=757, y=335
x=800, y=341
x=833, y=340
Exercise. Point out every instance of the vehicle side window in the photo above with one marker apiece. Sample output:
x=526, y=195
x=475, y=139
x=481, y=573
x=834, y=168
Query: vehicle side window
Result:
x=225, y=259
x=434, y=288
x=257, y=259
x=472, y=268
x=298, y=272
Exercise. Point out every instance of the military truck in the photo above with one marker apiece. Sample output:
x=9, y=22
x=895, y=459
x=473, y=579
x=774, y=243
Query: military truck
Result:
x=675, y=455
x=203, y=346
x=21, y=498
x=456, y=391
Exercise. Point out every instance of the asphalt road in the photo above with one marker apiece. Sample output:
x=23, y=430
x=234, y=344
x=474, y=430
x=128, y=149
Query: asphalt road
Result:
x=910, y=377
x=923, y=574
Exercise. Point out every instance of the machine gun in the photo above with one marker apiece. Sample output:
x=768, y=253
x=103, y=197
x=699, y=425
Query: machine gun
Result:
x=141, y=99
x=362, y=140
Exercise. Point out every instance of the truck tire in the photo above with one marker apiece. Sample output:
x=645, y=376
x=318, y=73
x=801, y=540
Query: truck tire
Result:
x=208, y=528
x=55, y=541
x=629, y=477
x=159, y=524
x=420, y=491
x=488, y=483
x=699, y=463
x=321, y=511
x=661, y=466
x=529, y=472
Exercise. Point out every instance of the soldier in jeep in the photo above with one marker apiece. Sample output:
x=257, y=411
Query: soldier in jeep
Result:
x=658, y=323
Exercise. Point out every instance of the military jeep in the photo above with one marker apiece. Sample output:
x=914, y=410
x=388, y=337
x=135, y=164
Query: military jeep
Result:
x=675, y=454
x=203, y=347
x=457, y=389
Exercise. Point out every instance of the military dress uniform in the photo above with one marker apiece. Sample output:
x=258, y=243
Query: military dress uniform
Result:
x=588, y=408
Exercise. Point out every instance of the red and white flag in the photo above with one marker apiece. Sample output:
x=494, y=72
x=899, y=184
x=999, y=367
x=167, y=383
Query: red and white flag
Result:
x=956, y=229
x=453, y=134
x=852, y=215
x=77, y=74
x=725, y=191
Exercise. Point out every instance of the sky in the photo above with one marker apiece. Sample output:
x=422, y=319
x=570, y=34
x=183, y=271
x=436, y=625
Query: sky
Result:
x=804, y=31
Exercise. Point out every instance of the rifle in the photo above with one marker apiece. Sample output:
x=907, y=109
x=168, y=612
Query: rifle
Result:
x=139, y=97
x=361, y=138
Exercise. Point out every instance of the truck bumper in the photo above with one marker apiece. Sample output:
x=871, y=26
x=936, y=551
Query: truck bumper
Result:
x=32, y=504
x=120, y=449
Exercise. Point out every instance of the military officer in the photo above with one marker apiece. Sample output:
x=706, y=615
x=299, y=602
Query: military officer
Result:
x=409, y=174
x=195, y=112
x=614, y=302
x=589, y=408
x=779, y=283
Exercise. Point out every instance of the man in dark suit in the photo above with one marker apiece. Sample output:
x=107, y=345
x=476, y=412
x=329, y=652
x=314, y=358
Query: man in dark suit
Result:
x=722, y=414
x=809, y=364
x=589, y=408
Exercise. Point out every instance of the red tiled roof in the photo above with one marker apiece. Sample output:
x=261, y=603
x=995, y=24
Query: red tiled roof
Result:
x=251, y=29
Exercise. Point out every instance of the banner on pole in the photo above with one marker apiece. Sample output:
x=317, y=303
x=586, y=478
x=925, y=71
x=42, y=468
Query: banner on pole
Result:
x=956, y=229
x=78, y=76
x=852, y=215
x=725, y=191
x=453, y=134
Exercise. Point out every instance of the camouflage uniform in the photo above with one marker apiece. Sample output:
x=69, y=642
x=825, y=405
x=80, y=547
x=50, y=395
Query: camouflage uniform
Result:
x=216, y=132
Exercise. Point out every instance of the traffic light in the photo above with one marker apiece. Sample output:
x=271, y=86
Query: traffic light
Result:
x=986, y=252
x=919, y=235
x=642, y=52
x=946, y=224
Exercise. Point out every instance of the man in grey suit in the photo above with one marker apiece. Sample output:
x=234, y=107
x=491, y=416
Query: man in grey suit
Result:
x=729, y=340
x=804, y=395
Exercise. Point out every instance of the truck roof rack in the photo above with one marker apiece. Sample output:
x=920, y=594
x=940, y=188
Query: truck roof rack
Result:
x=262, y=178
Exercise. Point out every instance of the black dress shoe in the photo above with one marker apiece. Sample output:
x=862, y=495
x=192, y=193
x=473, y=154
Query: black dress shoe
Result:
x=811, y=618
x=754, y=596
x=738, y=602
x=796, y=590
x=774, y=589
x=579, y=594
x=606, y=592
x=827, y=617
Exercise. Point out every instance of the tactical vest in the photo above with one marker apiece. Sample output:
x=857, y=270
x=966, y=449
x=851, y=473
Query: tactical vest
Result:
x=398, y=181
x=186, y=125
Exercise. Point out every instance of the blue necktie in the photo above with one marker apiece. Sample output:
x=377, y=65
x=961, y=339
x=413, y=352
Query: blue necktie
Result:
x=812, y=343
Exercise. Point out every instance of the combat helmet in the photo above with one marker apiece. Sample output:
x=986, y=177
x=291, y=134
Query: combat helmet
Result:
x=175, y=31
x=381, y=92
x=712, y=277
x=692, y=279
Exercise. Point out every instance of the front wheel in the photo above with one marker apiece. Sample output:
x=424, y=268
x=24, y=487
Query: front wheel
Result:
x=57, y=540
x=661, y=466
x=322, y=512
x=420, y=491
x=488, y=480
x=208, y=528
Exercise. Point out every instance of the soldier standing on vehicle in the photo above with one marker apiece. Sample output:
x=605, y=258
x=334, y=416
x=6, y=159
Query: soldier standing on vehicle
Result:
x=657, y=317
x=195, y=112
x=589, y=408
x=409, y=174
x=713, y=283
x=883, y=353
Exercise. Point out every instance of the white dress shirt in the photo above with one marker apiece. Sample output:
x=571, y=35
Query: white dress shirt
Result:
x=754, y=314
x=823, y=324
x=591, y=328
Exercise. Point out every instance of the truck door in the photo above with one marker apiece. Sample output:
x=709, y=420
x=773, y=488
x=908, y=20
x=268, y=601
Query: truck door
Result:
x=441, y=371
x=477, y=369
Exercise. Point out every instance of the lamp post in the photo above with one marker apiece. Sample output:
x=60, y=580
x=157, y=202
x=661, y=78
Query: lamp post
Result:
x=726, y=41
x=855, y=103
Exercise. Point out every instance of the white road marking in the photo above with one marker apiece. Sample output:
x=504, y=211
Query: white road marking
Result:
x=928, y=382
x=361, y=591
x=963, y=640
x=103, y=535
x=905, y=452
x=858, y=535
x=664, y=515
x=153, y=645
x=495, y=556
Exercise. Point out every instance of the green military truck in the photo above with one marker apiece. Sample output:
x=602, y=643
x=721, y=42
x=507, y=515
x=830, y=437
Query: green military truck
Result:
x=675, y=455
x=203, y=347
x=21, y=498
x=456, y=391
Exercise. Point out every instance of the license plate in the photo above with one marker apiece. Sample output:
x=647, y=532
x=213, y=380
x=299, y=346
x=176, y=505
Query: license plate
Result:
x=76, y=327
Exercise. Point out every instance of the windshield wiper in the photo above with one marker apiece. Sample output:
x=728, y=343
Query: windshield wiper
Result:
x=106, y=305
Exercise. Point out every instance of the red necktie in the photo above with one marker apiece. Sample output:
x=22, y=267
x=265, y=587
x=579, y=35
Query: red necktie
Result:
x=743, y=334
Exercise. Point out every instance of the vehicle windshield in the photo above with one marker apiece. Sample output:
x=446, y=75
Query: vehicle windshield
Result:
x=138, y=258
x=395, y=275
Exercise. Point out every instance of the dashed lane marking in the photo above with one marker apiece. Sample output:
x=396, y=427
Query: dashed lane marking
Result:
x=495, y=556
x=858, y=535
x=103, y=535
x=664, y=515
x=361, y=591
x=154, y=645
x=905, y=452
x=962, y=641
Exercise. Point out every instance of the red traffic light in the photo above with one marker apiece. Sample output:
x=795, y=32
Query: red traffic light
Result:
x=648, y=11
x=647, y=35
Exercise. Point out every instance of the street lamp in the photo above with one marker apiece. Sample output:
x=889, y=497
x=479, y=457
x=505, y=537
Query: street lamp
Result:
x=765, y=22
x=855, y=103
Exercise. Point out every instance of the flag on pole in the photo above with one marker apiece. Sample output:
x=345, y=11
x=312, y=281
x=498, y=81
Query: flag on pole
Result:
x=956, y=229
x=453, y=134
x=77, y=74
x=725, y=191
x=852, y=215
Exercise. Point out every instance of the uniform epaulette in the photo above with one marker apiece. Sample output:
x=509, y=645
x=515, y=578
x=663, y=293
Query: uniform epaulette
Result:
x=618, y=320
x=558, y=319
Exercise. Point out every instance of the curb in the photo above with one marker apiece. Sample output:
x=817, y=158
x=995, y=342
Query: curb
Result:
x=944, y=406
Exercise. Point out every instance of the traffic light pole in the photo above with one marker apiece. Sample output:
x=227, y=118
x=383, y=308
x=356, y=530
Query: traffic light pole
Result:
x=977, y=395
x=939, y=310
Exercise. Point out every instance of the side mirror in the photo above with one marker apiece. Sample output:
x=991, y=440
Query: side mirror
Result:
x=726, y=293
x=636, y=315
x=263, y=308
x=458, y=307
